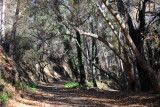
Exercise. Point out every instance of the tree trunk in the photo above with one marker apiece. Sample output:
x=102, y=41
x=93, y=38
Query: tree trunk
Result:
x=141, y=61
x=3, y=22
x=80, y=63
x=131, y=79
x=137, y=38
x=98, y=62
x=93, y=58
x=86, y=64
x=13, y=32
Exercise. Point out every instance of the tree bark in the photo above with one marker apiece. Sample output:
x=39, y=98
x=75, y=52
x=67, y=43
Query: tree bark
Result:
x=93, y=57
x=141, y=61
x=13, y=32
x=80, y=63
x=137, y=37
x=3, y=22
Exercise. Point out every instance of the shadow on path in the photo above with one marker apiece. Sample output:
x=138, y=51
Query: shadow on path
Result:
x=56, y=95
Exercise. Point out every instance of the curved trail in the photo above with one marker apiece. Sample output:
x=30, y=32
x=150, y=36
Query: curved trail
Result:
x=55, y=95
x=52, y=95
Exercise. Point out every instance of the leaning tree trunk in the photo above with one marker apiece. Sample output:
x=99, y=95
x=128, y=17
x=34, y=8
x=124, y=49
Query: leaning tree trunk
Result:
x=137, y=37
x=135, y=41
x=144, y=78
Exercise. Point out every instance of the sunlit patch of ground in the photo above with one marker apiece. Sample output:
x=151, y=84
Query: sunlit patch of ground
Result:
x=52, y=95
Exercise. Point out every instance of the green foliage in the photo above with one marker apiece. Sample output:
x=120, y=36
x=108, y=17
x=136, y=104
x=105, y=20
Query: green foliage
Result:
x=29, y=88
x=5, y=93
x=34, y=85
x=65, y=37
x=90, y=83
x=4, y=97
x=71, y=85
x=23, y=86
x=76, y=85
x=19, y=85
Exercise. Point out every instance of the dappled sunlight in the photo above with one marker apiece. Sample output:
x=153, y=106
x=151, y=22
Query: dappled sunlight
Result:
x=56, y=94
x=100, y=53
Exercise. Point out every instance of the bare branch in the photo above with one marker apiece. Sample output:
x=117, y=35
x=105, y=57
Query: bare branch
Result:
x=100, y=68
x=101, y=39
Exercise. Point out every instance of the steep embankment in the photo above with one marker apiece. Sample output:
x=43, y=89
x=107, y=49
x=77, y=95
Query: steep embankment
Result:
x=7, y=77
x=29, y=73
x=7, y=67
x=15, y=75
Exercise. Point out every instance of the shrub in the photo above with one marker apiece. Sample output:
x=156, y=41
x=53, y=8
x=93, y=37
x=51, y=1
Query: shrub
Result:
x=4, y=97
x=76, y=85
x=71, y=85
x=29, y=88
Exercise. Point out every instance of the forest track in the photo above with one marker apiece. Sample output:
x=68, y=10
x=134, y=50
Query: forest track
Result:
x=55, y=95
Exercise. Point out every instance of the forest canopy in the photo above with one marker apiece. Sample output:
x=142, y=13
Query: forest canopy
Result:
x=84, y=40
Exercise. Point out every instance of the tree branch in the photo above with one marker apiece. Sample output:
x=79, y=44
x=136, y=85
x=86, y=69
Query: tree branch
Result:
x=147, y=68
x=98, y=67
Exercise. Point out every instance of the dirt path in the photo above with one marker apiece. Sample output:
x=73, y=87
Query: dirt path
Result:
x=55, y=95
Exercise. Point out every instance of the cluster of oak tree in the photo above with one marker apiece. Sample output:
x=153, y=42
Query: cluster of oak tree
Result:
x=117, y=39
